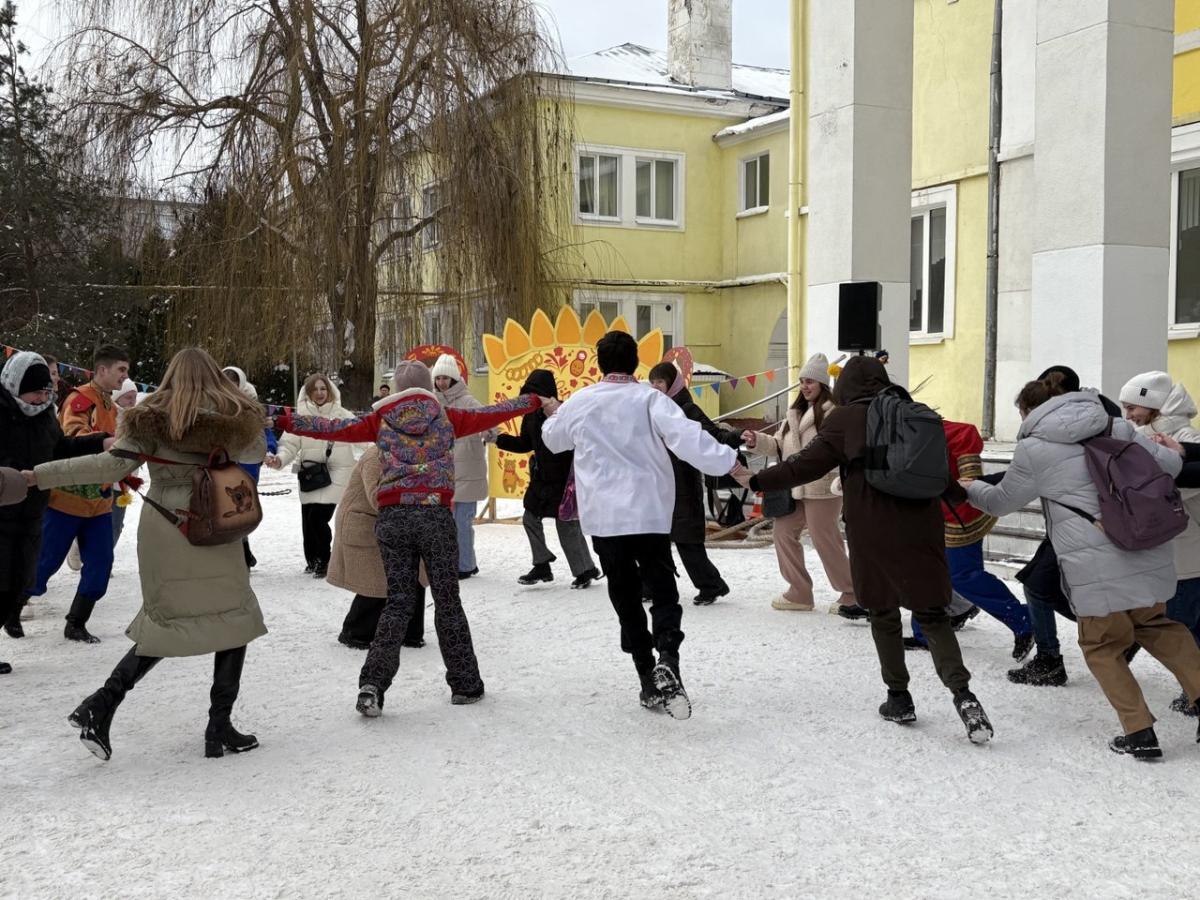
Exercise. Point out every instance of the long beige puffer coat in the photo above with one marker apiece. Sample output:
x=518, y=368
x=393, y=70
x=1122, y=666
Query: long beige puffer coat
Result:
x=294, y=450
x=796, y=433
x=470, y=453
x=195, y=600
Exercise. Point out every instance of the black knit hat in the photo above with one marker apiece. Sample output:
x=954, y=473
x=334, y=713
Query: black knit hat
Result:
x=36, y=378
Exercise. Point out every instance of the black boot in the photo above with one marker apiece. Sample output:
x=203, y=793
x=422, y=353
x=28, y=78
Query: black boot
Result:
x=13, y=626
x=94, y=715
x=898, y=708
x=710, y=596
x=666, y=679
x=361, y=622
x=970, y=710
x=540, y=572
x=1041, y=671
x=251, y=562
x=5, y=668
x=1140, y=745
x=77, y=617
x=220, y=736
x=585, y=579
x=1182, y=704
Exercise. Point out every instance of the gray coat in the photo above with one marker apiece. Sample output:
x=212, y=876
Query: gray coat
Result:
x=470, y=453
x=1098, y=577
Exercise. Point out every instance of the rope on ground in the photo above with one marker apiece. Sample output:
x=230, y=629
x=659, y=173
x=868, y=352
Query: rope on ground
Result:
x=757, y=530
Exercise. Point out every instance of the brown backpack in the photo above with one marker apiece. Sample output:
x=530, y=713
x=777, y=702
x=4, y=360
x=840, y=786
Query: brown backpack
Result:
x=224, y=507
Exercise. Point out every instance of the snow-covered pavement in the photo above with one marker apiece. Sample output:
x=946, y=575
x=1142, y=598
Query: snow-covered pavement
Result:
x=785, y=782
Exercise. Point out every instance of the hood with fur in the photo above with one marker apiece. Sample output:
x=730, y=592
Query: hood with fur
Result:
x=149, y=426
x=305, y=407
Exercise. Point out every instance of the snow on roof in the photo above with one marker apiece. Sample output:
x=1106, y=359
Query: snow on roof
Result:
x=751, y=125
x=637, y=65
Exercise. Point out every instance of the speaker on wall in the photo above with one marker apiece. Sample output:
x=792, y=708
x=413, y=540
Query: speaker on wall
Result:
x=859, y=303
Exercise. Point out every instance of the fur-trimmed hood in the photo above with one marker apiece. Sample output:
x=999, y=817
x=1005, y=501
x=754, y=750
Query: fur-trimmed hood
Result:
x=148, y=425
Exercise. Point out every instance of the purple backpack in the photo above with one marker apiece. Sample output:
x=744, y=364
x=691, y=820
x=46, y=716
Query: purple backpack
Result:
x=1140, y=506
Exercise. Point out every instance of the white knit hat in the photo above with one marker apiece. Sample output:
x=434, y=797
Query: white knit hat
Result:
x=127, y=387
x=817, y=369
x=446, y=366
x=1150, y=389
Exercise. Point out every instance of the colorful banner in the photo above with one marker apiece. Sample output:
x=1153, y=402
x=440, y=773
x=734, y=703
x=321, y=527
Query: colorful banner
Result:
x=64, y=368
x=566, y=348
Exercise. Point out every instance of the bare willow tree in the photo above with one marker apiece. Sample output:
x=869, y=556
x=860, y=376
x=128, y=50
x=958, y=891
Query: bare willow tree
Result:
x=354, y=148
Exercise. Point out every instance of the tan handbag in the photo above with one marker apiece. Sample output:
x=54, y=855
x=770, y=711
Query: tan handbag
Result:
x=224, y=507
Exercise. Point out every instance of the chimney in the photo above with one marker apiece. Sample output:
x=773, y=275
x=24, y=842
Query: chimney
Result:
x=700, y=43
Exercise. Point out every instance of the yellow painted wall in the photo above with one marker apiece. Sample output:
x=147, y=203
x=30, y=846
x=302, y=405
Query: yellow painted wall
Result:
x=1185, y=106
x=956, y=366
x=1187, y=15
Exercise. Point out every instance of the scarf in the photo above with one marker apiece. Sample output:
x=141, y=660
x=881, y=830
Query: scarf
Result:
x=10, y=380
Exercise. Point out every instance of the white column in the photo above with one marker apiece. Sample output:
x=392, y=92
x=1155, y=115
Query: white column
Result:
x=1102, y=183
x=859, y=165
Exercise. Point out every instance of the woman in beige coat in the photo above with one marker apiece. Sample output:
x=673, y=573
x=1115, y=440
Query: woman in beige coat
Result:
x=818, y=508
x=356, y=564
x=195, y=600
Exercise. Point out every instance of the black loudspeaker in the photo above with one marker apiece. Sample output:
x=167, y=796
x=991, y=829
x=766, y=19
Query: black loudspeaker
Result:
x=859, y=303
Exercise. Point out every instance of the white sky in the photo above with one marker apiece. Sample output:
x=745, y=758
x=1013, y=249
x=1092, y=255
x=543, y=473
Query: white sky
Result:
x=760, y=27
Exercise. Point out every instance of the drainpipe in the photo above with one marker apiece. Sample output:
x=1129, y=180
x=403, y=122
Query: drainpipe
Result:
x=797, y=172
x=993, y=245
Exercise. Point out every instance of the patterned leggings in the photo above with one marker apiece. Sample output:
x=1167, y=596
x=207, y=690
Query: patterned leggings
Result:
x=407, y=535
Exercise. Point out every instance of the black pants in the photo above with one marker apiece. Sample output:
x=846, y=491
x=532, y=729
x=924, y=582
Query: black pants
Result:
x=362, y=619
x=887, y=630
x=318, y=537
x=628, y=561
x=700, y=569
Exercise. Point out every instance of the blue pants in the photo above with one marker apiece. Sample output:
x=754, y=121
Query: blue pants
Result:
x=464, y=518
x=118, y=522
x=1184, y=607
x=985, y=590
x=1045, y=628
x=95, y=536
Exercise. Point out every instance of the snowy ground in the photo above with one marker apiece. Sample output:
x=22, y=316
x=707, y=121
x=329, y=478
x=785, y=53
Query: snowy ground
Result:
x=785, y=783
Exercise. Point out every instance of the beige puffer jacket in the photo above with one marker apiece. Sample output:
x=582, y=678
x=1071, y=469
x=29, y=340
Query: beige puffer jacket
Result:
x=796, y=433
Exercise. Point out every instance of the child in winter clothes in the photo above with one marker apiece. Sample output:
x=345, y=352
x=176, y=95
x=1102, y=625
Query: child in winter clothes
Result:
x=83, y=513
x=688, y=522
x=548, y=475
x=1118, y=596
x=818, y=508
x=416, y=436
x=124, y=397
x=1158, y=407
x=470, y=461
x=966, y=527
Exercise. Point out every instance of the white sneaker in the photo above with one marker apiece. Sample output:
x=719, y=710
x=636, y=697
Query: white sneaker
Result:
x=782, y=602
x=73, y=559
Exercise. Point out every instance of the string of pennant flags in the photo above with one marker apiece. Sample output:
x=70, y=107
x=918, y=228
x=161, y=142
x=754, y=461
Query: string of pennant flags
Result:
x=751, y=380
x=64, y=368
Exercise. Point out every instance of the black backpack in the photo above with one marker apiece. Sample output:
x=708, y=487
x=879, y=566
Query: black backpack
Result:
x=906, y=447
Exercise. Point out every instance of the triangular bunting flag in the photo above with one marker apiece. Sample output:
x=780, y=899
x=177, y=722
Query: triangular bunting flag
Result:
x=770, y=376
x=752, y=379
x=62, y=369
x=8, y=351
x=716, y=386
x=699, y=392
x=733, y=383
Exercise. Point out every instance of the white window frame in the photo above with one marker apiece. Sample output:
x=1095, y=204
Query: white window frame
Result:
x=479, y=305
x=388, y=355
x=628, y=302
x=652, y=160
x=431, y=234
x=941, y=197
x=447, y=316
x=627, y=160
x=596, y=153
x=743, y=164
x=1185, y=156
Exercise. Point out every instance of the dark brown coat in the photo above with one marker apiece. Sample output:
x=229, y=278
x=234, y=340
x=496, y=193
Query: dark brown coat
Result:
x=897, y=546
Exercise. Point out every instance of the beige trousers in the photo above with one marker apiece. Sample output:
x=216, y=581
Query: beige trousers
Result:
x=1104, y=640
x=821, y=518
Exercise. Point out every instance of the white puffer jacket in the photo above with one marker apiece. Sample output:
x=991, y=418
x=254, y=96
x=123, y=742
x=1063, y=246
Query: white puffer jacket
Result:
x=1175, y=420
x=1098, y=576
x=295, y=450
x=796, y=433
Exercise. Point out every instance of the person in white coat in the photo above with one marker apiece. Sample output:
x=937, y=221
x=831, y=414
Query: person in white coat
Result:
x=318, y=397
x=1119, y=596
x=620, y=430
x=1157, y=406
x=470, y=461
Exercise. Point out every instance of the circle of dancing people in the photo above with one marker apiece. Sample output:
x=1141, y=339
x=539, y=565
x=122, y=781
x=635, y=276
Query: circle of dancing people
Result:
x=620, y=462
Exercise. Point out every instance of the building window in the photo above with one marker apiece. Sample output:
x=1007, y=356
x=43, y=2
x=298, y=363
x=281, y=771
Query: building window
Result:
x=629, y=188
x=931, y=276
x=487, y=320
x=656, y=190
x=642, y=312
x=439, y=325
x=756, y=183
x=401, y=220
x=599, y=185
x=431, y=204
x=1186, y=261
x=388, y=344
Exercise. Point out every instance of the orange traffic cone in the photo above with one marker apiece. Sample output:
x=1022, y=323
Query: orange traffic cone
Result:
x=756, y=513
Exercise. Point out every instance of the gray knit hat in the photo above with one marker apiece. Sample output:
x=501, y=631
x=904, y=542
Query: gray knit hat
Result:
x=412, y=374
x=817, y=369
